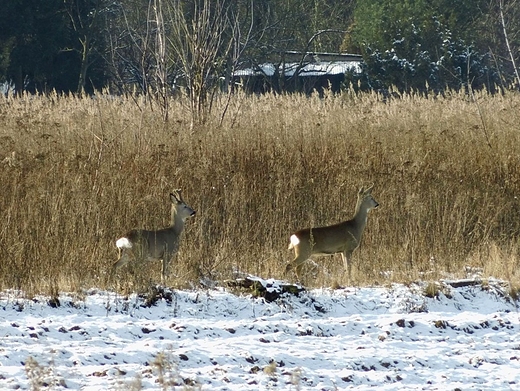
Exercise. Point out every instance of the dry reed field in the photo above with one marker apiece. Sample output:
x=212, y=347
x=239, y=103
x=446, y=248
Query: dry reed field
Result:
x=77, y=173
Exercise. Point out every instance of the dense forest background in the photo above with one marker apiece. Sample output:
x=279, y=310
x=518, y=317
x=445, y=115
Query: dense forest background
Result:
x=160, y=45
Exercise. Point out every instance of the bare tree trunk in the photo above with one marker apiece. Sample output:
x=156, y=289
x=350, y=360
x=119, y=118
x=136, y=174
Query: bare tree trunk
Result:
x=160, y=53
x=85, y=55
x=511, y=55
x=84, y=23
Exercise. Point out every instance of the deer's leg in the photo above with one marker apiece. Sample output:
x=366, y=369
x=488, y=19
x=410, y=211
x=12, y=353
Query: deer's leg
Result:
x=347, y=262
x=165, y=272
x=124, y=258
x=298, y=261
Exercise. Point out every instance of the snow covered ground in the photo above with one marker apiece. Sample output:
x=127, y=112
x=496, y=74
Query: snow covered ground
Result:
x=369, y=338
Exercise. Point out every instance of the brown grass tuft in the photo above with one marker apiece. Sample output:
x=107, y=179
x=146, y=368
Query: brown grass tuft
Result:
x=77, y=173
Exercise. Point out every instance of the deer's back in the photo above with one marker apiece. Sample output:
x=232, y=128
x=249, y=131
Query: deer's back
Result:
x=330, y=239
x=154, y=244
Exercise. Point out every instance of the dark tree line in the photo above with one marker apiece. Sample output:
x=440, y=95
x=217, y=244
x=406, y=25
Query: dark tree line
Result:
x=40, y=49
x=158, y=47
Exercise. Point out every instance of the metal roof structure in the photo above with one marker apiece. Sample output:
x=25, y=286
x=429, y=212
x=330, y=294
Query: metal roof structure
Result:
x=305, y=64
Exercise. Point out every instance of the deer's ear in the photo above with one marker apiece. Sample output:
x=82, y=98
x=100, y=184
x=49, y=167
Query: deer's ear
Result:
x=176, y=196
x=361, y=191
x=368, y=190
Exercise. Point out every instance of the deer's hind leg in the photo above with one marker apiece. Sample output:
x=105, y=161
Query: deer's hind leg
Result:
x=300, y=256
x=124, y=258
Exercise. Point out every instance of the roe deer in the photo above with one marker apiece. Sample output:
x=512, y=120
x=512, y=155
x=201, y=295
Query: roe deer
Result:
x=341, y=238
x=162, y=244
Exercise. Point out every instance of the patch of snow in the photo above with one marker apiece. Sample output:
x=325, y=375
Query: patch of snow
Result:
x=384, y=338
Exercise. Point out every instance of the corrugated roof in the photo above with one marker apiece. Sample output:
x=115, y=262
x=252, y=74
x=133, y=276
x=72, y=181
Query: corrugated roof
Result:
x=318, y=68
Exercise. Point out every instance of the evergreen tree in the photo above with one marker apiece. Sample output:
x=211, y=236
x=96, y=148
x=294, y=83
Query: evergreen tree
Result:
x=421, y=45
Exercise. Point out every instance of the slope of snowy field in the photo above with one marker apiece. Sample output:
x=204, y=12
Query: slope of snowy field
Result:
x=380, y=338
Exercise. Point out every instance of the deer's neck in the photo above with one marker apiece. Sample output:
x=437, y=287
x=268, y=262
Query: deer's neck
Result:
x=177, y=223
x=360, y=218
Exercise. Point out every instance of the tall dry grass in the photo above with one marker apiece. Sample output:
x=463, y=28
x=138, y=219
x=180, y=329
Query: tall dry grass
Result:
x=77, y=173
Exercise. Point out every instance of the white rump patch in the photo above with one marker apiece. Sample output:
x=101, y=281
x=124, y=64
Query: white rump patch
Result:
x=123, y=243
x=294, y=240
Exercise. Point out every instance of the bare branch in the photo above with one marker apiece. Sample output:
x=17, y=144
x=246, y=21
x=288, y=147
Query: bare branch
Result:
x=503, y=22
